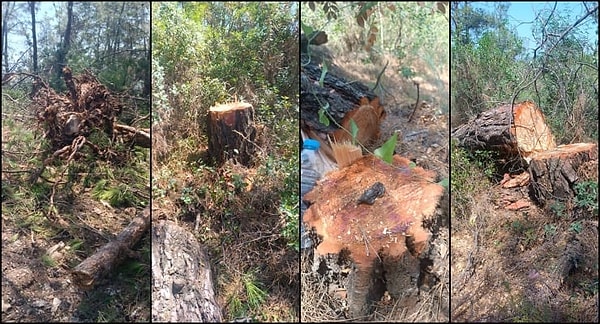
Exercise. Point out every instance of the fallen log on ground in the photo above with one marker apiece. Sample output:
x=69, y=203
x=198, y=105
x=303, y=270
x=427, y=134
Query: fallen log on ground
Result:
x=375, y=210
x=512, y=131
x=182, y=289
x=521, y=132
x=87, y=273
x=339, y=101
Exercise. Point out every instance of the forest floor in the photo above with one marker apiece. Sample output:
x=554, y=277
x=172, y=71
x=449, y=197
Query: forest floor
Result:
x=527, y=265
x=425, y=141
x=244, y=217
x=38, y=254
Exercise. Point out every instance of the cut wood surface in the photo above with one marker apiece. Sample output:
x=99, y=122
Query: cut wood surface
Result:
x=231, y=132
x=372, y=207
x=182, y=288
x=512, y=131
x=343, y=100
x=86, y=274
x=554, y=173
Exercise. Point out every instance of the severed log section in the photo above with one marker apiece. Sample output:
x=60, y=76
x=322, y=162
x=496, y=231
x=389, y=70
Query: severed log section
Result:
x=86, y=274
x=231, y=133
x=343, y=101
x=182, y=281
x=512, y=131
x=554, y=173
x=374, y=210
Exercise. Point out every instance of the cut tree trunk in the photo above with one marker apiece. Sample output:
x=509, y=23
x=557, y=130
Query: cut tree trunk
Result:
x=231, y=133
x=342, y=100
x=512, y=131
x=86, y=274
x=182, y=280
x=554, y=173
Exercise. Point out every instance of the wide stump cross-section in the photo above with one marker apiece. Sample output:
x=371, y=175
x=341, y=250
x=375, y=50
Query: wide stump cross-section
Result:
x=231, y=132
x=370, y=208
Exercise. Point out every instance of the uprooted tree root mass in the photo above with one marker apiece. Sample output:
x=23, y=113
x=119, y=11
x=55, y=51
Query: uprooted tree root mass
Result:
x=84, y=116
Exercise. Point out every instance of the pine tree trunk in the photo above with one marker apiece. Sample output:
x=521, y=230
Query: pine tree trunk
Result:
x=512, y=131
x=182, y=279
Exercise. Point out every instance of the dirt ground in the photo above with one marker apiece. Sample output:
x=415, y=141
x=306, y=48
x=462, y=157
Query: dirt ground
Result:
x=37, y=255
x=528, y=265
x=424, y=139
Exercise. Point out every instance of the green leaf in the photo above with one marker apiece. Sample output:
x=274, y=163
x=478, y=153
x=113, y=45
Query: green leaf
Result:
x=322, y=117
x=412, y=165
x=308, y=30
x=444, y=183
x=323, y=73
x=386, y=151
x=353, y=130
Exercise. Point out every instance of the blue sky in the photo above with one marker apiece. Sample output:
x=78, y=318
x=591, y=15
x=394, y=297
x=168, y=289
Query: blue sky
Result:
x=522, y=14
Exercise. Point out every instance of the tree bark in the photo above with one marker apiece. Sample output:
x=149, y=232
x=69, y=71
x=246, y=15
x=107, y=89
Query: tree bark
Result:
x=512, y=131
x=109, y=256
x=182, y=279
x=343, y=101
x=554, y=173
x=34, y=36
x=231, y=133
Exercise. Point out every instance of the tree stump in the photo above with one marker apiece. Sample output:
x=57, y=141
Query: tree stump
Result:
x=182, y=279
x=231, y=133
x=512, y=131
x=554, y=173
x=345, y=101
x=370, y=208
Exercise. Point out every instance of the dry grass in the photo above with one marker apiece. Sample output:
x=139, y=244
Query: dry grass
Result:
x=516, y=265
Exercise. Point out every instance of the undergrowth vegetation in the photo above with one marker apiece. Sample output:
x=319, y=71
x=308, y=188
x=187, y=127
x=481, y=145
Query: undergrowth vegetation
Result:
x=511, y=255
x=205, y=54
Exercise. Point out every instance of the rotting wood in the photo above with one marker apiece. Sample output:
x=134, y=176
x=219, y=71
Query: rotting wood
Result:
x=182, y=289
x=103, y=261
x=232, y=133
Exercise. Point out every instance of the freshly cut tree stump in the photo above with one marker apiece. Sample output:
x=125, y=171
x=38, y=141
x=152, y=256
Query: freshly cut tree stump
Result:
x=554, y=173
x=182, y=289
x=110, y=255
x=370, y=208
x=231, y=133
x=512, y=131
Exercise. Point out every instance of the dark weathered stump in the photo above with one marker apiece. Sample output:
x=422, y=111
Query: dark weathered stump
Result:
x=182, y=288
x=554, y=173
x=512, y=131
x=231, y=133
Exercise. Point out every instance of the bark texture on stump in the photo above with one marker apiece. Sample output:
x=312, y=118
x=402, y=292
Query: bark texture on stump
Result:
x=511, y=131
x=345, y=101
x=231, y=133
x=182, y=288
x=554, y=173
x=85, y=275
